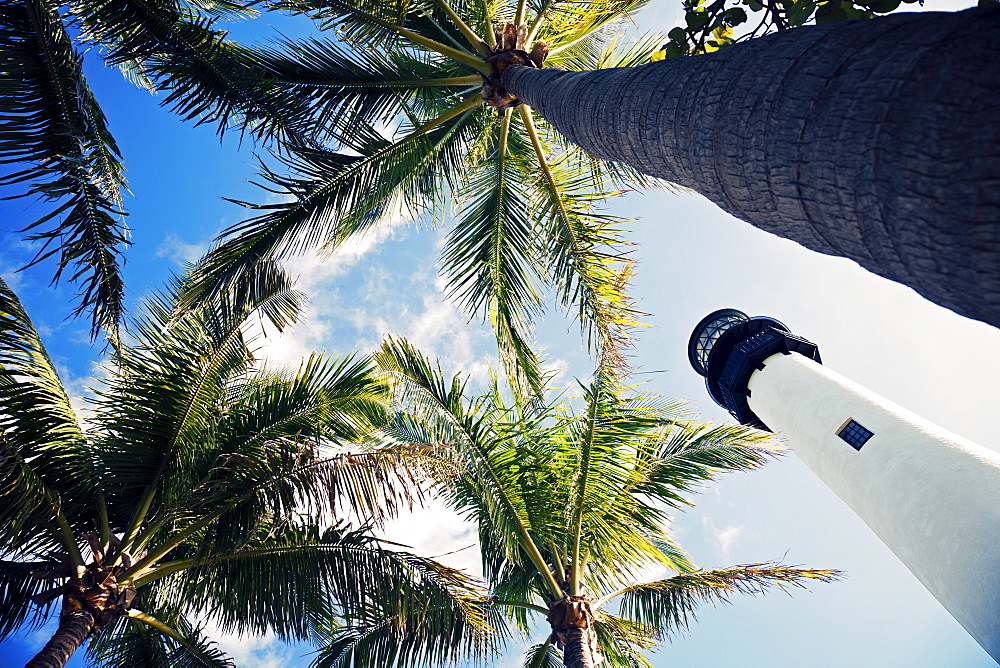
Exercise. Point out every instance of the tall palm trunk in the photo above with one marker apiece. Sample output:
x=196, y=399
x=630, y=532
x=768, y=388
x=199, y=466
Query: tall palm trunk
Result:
x=876, y=140
x=74, y=627
x=578, y=652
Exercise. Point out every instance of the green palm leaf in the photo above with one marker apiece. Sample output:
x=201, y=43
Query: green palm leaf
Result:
x=43, y=452
x=587, y=262
x=492, y=259
x=50, y=118
x=336, y=195
x=668, y=606
x=208, y=79
x=145, y=640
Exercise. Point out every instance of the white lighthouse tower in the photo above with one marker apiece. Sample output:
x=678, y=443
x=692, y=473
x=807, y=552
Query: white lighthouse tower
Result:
x=931, y=496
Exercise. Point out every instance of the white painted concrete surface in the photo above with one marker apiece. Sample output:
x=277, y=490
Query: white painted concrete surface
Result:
x=931, y=496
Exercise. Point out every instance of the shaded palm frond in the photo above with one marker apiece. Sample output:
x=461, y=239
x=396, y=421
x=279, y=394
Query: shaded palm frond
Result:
x=166, y=639
x=544, y=655
x=291, y=581
x=340, y=84
x=159, y=407
x=208, y=78
x=18, y=612
x=43, y=452
x=428, y=630
x=49, y=117
x=622, y=641
x=375, y=24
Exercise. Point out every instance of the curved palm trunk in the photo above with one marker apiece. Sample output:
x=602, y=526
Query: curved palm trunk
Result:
x=876, y=140
x=74, y=627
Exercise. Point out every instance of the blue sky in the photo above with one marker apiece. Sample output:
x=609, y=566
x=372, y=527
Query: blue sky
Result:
x=692, y=259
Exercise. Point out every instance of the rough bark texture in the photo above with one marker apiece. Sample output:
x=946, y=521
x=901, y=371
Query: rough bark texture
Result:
x=875, y=140
x=74, y=627
x=577, y=652
x=572, y=621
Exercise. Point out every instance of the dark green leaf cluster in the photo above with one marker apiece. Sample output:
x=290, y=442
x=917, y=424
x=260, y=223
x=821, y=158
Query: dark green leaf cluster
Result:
x=713, y=24
x=55, y=138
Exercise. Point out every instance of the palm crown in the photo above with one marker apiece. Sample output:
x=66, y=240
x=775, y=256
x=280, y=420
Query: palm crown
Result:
x=409, y=114
x=571, y=504
x=388, y=116
x=203, y=485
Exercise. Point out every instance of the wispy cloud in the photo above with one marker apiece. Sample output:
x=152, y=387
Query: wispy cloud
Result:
x=725, y=536
x=180, y=251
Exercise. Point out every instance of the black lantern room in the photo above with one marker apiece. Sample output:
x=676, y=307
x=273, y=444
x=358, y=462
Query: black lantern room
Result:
x=727, y=346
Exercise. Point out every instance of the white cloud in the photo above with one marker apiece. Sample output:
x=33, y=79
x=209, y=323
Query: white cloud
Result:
x=726, y=536
x=437, y=531
x=13, y=278
x=174, y=248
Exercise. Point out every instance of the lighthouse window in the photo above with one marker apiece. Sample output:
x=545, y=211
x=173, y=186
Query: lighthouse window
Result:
x=854, y=434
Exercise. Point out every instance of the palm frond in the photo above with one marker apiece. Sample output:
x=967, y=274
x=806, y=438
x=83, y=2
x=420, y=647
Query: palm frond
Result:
x=159, y=407
x=622, y=641
x=685, y=455
x=287, y=581
x=493, y=468
x=492, y=258
x=44, y=452
x=336, y=195
x=573, y=23
x=208, y=78
x=606, y=524
x=443, y=623
x=610, y=53
x=669, y=605
x=340, y=84
x=544, y=655
x=385, y=25
x=585, y=255
x=142, y=639
x=18, y=612
x=49, y=117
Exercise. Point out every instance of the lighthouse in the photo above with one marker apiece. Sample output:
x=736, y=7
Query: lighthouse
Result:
x=931, y=496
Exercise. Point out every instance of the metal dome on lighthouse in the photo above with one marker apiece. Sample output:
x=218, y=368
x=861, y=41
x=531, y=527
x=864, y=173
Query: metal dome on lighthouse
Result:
x=931, y=496
x=727, y=346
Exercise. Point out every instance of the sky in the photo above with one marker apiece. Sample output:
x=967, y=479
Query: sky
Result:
x=692, y=259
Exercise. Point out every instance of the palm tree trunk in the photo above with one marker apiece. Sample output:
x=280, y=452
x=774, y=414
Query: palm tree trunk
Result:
x=572, y=622
x=74, y=627
x=578, y=652
x=875, y=140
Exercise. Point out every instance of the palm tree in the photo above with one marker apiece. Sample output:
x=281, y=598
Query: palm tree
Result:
x=823, y=162
x=528, y=217
x=571, y=501
x=200, y=485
